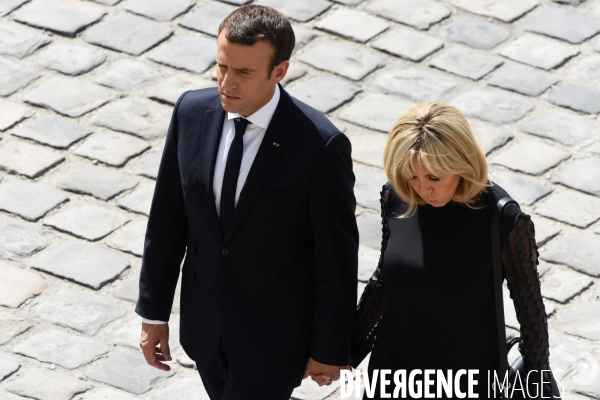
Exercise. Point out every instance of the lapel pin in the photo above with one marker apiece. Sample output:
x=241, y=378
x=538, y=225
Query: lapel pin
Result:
x=275, y=144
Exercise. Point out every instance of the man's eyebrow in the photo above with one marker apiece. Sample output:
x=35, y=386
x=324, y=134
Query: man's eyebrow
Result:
x=238, y=69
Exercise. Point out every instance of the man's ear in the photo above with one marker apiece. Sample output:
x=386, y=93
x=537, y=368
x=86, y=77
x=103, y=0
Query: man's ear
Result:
x=280, y=71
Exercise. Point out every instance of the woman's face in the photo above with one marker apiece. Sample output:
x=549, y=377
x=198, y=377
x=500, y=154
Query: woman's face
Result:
x=435, y=190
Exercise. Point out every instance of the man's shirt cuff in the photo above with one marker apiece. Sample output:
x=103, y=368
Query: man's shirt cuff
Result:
x=153, y=322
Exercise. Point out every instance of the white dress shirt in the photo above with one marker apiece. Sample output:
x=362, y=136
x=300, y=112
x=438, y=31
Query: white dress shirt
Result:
x=255, y=132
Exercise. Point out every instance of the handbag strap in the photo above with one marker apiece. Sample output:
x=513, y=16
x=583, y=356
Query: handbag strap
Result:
x=497, y=257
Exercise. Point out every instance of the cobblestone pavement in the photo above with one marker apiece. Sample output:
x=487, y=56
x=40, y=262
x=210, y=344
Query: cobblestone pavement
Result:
x=86, y=91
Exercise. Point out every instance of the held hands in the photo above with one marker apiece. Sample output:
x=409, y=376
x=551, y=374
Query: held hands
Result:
x=323, y=374
x=153, y=336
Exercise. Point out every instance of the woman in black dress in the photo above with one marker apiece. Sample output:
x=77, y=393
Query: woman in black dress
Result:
x=430, y=303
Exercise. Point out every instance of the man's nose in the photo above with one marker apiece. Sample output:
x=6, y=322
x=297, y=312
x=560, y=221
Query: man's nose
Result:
x=228, y=82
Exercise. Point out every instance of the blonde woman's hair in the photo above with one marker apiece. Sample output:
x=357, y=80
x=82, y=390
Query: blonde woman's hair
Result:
x=438, y=136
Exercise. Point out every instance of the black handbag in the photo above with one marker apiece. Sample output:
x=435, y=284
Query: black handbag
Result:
x=518, y=366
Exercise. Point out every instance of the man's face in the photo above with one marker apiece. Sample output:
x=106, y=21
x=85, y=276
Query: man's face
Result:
x=243, y=75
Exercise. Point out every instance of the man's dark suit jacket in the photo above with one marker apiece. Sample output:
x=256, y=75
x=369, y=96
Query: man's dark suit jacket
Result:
x=280, y=285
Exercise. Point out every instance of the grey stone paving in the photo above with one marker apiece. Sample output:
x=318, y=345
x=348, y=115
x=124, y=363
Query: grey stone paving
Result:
x=465, y=62
x=29, y=200
x=100, y=182
x=352, y=60
x=19, y=41
x=369, y=181
x=525, y=72
x=20, y=240
x=562, y=24
x=523, y=79
x=564, y=128
x=492, y=105
x=523, y=190
x=79, y=311
x=9, y=5
x=416, y=84
x=127, y=75
x=8, y=366
x=71, y=59
x=574, y=321
x=43, y=384
x=128, y=33
x=545, y=230
x=170, y=89
x=420, y=14
x=302, y=11
x=64, y=349
x=571, y=207
x=562, y=285
x=14, y=76
x=538, y=51
x=86, y=221
x=489, y=137
x=344, y=22
x=84, y=263
x=128, y=289
x=586, y=69
x=138, y=201
x=18, y=285
x=128, y=372
x=578, y=251
x=11, y=326
x=148, y=164
x=531, y=157
x=192, y=53
x=376, y=111
x=11, y=113
x=504, y=10
x=68, y=96
x=27, y=159
x=577, y=97
x=67, y=17
x=54, y=131
x=158, y=9
x=140, y=117
x=475, y=32
x=108, y=394
x=112, y=148
x=407, y=43
x=368, y=258
x=208, y=18
x=582, y=174
x=188, y=388
x=324, y=93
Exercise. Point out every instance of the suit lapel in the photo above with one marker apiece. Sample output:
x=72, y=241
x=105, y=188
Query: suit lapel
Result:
x=265, y=160
x=211, y=137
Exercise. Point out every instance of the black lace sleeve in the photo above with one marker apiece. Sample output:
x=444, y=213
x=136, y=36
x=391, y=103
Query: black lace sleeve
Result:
x=373, y=301
x=520, y=260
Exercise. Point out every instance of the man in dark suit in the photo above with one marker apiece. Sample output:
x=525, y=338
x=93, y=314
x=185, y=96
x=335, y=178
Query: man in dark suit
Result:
x=256, y=189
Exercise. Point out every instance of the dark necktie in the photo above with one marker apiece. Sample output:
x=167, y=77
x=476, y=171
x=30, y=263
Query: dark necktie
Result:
x=232, y=172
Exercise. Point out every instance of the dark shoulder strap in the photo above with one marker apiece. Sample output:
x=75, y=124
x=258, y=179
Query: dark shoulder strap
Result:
x=497, y=258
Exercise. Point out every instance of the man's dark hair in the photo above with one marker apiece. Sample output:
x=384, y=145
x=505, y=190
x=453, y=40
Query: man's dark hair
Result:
x=251, y=23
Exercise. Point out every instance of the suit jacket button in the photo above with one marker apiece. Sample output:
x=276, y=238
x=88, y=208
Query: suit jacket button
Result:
x=225, y=252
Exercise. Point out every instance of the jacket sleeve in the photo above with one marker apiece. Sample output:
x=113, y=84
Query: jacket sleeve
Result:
x=520, y=260
x=373, y=299
x=335, y=240
x=164, y=245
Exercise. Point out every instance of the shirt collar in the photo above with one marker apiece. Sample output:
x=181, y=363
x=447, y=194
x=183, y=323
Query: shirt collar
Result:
x=262, y=117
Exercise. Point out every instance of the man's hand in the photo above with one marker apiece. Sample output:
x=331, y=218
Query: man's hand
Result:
x=153, y=336
x=323, y=374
